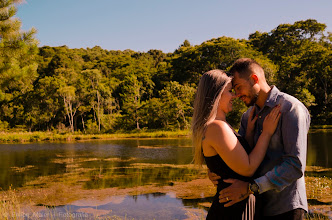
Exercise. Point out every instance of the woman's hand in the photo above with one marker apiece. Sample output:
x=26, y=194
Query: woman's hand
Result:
x=251, y=121
x=271, y=121
x=250, y=127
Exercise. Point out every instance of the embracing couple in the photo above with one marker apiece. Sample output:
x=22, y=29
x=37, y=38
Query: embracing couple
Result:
x=259, y=170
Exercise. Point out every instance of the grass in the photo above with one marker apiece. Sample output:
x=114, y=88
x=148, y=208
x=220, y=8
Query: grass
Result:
x=10, y=207
x=321, y=127
x=38, y=136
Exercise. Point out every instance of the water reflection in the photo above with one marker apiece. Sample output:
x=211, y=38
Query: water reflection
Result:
x=44, y=159
x=147, y=206
x=126, y=163
x=319, y=149
x=138, y=175
x=109, y=163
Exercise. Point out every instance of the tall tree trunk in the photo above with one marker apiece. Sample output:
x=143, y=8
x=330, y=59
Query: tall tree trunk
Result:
x=83, y=124
x=136, y=113
x=98, y=99
x=75, y=123
x=69, y=112
x=71, y=117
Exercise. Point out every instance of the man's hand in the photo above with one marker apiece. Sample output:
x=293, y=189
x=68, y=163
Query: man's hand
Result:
x=213, y=177
x=234, y=193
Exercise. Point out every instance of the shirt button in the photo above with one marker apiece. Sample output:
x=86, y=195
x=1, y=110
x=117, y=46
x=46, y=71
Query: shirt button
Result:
x=261, y=131
x=260, y=116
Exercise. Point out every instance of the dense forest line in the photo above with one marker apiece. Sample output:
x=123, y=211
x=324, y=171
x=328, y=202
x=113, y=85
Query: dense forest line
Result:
x=96, y=90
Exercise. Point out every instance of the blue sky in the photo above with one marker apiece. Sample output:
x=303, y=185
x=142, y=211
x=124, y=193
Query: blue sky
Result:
x=142, y=25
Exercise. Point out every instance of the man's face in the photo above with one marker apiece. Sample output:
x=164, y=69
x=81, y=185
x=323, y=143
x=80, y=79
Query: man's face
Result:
x=244, y=90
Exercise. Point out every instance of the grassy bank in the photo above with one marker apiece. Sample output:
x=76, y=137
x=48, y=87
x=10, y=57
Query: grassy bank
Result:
x=320, y=128
x=23, y=137
x=39, y=136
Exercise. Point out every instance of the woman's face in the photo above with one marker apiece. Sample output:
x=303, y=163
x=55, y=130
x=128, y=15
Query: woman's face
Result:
x=226, y=99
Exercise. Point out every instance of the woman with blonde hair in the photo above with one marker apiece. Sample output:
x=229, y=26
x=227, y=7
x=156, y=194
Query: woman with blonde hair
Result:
x=225, y=152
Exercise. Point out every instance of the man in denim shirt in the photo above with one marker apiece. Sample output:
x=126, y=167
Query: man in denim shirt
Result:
x=281, y=175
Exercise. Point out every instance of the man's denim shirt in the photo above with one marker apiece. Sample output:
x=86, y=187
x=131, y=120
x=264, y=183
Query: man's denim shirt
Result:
x=281, y=174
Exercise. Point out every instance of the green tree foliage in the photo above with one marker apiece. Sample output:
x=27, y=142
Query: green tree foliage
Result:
x=17, y=63
x=131, y=93
x=95, y=90
x=45, y=107
x=301, y=52
x=317, y=67
x=177, y=105
x=190, y=62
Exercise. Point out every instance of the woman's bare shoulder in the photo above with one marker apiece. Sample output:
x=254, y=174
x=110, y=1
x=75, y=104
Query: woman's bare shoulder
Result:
x=218, y=127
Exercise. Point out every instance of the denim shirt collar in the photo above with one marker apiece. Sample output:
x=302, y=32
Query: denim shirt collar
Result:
x=271, y=100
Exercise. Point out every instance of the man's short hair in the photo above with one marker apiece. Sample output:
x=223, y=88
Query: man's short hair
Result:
x=243, y=67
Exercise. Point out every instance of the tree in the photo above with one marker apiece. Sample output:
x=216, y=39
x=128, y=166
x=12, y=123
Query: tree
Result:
x=68, y=89
x=286, y=45
x=177, y=107
x=131, y=101
x=69, y=98
x=43, y=105
x=317, y=66
x=301, y=52
x=153, y=114
x=189, y=63
x=94, y=79
x=18, y=68
x=96, y=90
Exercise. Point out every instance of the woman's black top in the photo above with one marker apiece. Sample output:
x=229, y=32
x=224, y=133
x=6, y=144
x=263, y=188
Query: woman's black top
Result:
x=244, y=209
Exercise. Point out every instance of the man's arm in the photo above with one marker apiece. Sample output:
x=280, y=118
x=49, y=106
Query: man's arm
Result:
x=295, y=126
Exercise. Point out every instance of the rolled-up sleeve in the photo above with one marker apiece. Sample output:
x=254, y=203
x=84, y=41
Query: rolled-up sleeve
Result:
x=294, y=128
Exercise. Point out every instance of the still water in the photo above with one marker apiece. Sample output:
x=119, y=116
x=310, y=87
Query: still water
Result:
x=21, y=163
x=147, y=206
x=98, y=162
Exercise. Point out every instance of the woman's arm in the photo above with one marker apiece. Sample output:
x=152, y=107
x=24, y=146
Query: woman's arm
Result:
x=221, y=137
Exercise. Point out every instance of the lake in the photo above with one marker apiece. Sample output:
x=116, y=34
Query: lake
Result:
x=121, y=163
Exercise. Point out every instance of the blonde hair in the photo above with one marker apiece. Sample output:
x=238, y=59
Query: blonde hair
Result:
x=210, y=88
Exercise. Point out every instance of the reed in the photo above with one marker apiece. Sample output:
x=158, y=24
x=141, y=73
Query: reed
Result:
x=10, y=207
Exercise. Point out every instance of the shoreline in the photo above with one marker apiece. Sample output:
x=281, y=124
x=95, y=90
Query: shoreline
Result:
x=41, y=136
x=38, y=136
